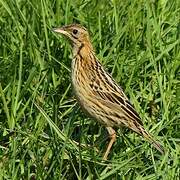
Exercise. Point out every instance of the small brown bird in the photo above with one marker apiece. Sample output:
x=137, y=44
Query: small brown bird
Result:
x=97, y=92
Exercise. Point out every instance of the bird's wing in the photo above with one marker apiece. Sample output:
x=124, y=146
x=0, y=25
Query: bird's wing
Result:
x=123, y=103
x=113, y=95
x=110, y=93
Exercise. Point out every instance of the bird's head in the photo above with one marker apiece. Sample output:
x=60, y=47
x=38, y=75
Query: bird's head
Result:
x=77, y=34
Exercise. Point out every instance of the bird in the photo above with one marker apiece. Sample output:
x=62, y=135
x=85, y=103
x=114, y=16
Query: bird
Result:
x=97, y=92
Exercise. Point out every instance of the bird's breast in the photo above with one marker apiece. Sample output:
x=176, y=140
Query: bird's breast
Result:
x=82, y=76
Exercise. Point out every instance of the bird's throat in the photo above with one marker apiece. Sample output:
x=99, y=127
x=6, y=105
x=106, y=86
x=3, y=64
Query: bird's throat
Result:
x=82, y=50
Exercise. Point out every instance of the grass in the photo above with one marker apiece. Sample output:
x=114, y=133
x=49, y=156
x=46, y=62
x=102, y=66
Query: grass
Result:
x=41, y=123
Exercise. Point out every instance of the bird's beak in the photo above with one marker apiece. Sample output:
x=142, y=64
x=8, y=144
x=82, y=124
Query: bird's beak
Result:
x=60, y=30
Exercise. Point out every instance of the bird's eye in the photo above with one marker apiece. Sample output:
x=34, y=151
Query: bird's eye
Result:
x=75, y=31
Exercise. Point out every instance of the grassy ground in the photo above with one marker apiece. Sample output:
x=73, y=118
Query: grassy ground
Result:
x=137, y=41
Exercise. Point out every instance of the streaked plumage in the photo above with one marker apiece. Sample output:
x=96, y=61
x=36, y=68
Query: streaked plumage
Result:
x=97, y=92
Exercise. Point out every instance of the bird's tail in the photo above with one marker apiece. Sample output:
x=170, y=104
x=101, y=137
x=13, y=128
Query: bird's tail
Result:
x=158, y=146
x=155, y=143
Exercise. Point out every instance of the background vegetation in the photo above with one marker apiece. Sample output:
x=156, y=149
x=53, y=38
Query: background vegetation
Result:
x=41, y=124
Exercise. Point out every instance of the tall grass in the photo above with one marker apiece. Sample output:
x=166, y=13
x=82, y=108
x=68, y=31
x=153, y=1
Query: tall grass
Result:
x=44, y=134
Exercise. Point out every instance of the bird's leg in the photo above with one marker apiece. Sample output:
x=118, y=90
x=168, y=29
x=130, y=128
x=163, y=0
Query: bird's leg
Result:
x=112, y=134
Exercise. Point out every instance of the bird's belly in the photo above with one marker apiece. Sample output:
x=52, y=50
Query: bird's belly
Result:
x=91, y=105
